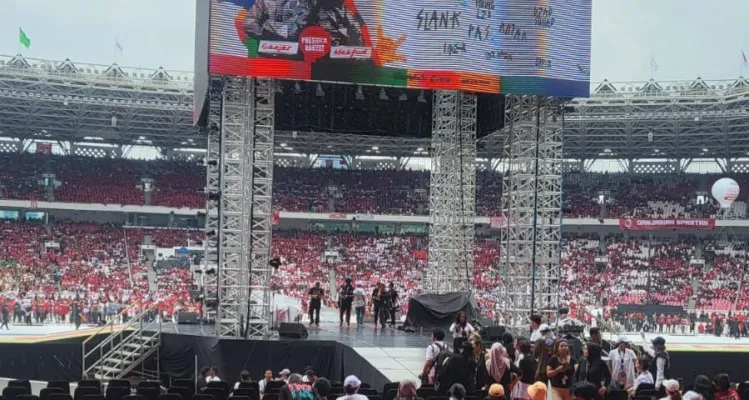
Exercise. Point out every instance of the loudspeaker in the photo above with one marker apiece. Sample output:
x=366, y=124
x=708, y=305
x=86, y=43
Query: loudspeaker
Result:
x=187, y=317
x=492, y=333
x=292, y=330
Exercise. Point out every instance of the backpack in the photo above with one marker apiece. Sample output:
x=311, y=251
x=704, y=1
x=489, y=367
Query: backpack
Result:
x=441, y=362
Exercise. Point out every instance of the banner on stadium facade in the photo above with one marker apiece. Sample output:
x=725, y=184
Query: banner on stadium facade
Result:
x=490, y=46
x=276, y=218
x=651, y=224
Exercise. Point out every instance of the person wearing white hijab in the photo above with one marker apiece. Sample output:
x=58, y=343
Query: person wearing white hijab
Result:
x=623, y=361
x=498, y=362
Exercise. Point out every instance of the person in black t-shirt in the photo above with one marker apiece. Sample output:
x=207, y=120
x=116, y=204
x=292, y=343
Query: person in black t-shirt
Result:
x=560, y=370
x=345, y=301
x=315, y=300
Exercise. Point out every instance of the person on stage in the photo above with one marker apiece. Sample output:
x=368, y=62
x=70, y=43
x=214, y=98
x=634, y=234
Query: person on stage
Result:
x=345, y=300
x=393, y=303
x=315, y=301
x=360, y=303
x=381, y=302
x=4, y=316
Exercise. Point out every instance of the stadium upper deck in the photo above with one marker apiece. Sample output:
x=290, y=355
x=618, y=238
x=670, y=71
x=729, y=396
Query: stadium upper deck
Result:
x=82, y=106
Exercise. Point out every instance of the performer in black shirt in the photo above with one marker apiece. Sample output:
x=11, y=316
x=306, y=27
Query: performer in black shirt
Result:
x=381, y=302
x=345, y=300
x=315, y=300
x=393, y=303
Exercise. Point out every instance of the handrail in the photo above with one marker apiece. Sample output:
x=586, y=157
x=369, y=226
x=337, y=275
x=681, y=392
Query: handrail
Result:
x=111, y=323
x=124, y=327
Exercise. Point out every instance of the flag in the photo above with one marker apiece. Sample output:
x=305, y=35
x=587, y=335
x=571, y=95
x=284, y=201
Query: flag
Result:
x=25, y=41
x=119, y=46
x=653, y=65
x=743, y=56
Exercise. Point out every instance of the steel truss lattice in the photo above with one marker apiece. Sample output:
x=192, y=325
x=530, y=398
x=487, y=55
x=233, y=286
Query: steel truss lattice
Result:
x=452, y=193
x=244, y=211
x=214, y=165
x=532, y=208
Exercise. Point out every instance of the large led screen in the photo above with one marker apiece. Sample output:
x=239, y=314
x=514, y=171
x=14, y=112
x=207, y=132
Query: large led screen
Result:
x=495, y=46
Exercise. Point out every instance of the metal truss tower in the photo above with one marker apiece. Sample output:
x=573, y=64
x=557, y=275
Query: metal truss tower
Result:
x=532, y=208
x=452, y=193
x=245, y=178
x=214, y=167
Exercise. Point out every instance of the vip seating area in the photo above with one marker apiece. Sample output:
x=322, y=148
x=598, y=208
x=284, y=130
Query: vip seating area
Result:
x=379, y=191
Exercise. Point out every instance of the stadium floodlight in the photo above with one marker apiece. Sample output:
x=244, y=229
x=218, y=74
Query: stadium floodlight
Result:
x=297, y=88
x=421, y=97
x=319, y=92
x=403, y=96
x=383, y=95
x=359, y=93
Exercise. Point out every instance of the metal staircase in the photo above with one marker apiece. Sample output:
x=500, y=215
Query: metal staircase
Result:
x=126, y=347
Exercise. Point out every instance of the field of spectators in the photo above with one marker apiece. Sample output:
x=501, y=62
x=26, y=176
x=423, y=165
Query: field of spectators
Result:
x=402, y=192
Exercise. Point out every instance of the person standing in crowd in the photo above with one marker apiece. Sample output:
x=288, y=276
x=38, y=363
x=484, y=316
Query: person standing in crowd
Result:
x=671, y=386
x=660, y=365
x=267, y=378
x=351, y=388
x=433, y=351
x=4, y=316
x=461, y=329
x=597, y=338
x=643, y=375
x=560, y=370
x=345, y=300
x=594, y=370
x=360, y=303
x=315, y=303
x=394, y=303
x=461, y=369
x=623, y=361
x=723, y=390
x=480, y=356
x=498, y=365
x=527, y=366
x=535, y=327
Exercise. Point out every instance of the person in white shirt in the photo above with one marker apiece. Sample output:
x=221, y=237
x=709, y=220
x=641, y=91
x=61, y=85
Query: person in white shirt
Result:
x=360, y=303
x=211, y=376
x=535, y=327
x=643, y=375
x=657, y=350
x=267, y=378
x=623, y=361
x=461, y=329
x=433, y=350
x=351, y=386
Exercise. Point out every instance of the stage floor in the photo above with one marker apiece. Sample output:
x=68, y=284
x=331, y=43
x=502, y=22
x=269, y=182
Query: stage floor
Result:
x=394, y=353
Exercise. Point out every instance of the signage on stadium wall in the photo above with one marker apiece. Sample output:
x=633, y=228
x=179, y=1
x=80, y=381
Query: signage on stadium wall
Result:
x=490, y=46
x=652, y=224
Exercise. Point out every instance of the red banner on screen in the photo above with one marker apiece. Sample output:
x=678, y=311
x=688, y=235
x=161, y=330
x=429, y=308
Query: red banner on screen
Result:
x=652, y=224
x=276, y=217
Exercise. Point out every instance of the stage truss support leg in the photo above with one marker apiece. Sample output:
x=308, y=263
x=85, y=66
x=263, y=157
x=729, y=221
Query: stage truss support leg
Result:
x=245, y=216
x=532, y=209
x=213, y=162
x=452, y=193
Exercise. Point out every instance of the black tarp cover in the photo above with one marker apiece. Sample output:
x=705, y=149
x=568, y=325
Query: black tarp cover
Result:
x=430, y=311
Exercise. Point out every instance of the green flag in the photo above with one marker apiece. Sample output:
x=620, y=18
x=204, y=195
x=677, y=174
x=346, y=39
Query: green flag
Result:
x=25, y=41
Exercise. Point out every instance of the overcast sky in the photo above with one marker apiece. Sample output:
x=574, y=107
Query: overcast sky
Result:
x=688, y=38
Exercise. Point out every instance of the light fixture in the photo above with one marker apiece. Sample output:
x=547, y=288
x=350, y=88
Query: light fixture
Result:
x=421, y=97
x=383, y=95
x=297, y=88
x=283, y=144
x=359, y=93
x=403, y=96
x=319, y=92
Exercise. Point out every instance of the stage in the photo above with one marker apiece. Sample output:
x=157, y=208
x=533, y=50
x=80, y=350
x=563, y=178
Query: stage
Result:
x=375, y=355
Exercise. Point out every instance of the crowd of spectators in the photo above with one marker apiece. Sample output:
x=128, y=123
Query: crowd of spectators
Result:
x=402, y=192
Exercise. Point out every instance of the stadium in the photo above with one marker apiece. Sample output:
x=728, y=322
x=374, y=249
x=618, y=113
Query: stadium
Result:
x=127, y=206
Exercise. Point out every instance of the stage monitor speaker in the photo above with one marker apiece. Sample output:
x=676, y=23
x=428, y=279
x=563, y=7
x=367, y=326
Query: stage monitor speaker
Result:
x=291, y=330
x=492, y=333
x=187, y=317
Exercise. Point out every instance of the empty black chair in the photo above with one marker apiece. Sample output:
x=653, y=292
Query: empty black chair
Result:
x=426, y=393
x=437, y=398
x=170, y=396
x=390, y=394
x=64, y=385
x=374, y=397
x=365, y=385
x=220, y=385
x=90, y=383
x=203, y=396
x=250, y=394
x=239, y=397
x=471, y=398
x=184, y=392
x=188, y=383
x=150, y=384
x=617, y=395
x=150, y=393
x=45, y=392
x=271, y=396
x=117, y=392
x=274, y=385
x=217, y=393
x=134, y=397
x=24, y=383
x=119, y=383
x=82, y=391
x=97, y=396
x=10, y=392
x=249, y=385
x=367, y=392
x=27, y=397
x=60, y=396
x=390, y=386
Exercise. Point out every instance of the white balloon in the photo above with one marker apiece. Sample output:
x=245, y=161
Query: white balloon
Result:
x=725, y=191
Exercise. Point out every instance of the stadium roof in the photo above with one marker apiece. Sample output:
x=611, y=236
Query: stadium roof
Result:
x=76, y=102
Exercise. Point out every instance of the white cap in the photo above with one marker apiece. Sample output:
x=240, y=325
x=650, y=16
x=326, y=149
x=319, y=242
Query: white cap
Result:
x=352, y=381
x=543, y=328
x=285, y=371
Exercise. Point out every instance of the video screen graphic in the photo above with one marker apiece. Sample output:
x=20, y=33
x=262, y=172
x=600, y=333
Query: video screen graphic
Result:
x=493, y=46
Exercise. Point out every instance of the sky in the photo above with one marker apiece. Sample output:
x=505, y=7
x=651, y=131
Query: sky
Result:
x=687, y=38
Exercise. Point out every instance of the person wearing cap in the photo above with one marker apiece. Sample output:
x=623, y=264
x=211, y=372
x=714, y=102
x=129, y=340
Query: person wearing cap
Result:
x=284, y=375
x=671, y=387
x=661, y=365
x=350, y=387
x=360, y=303
x=623, y=361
